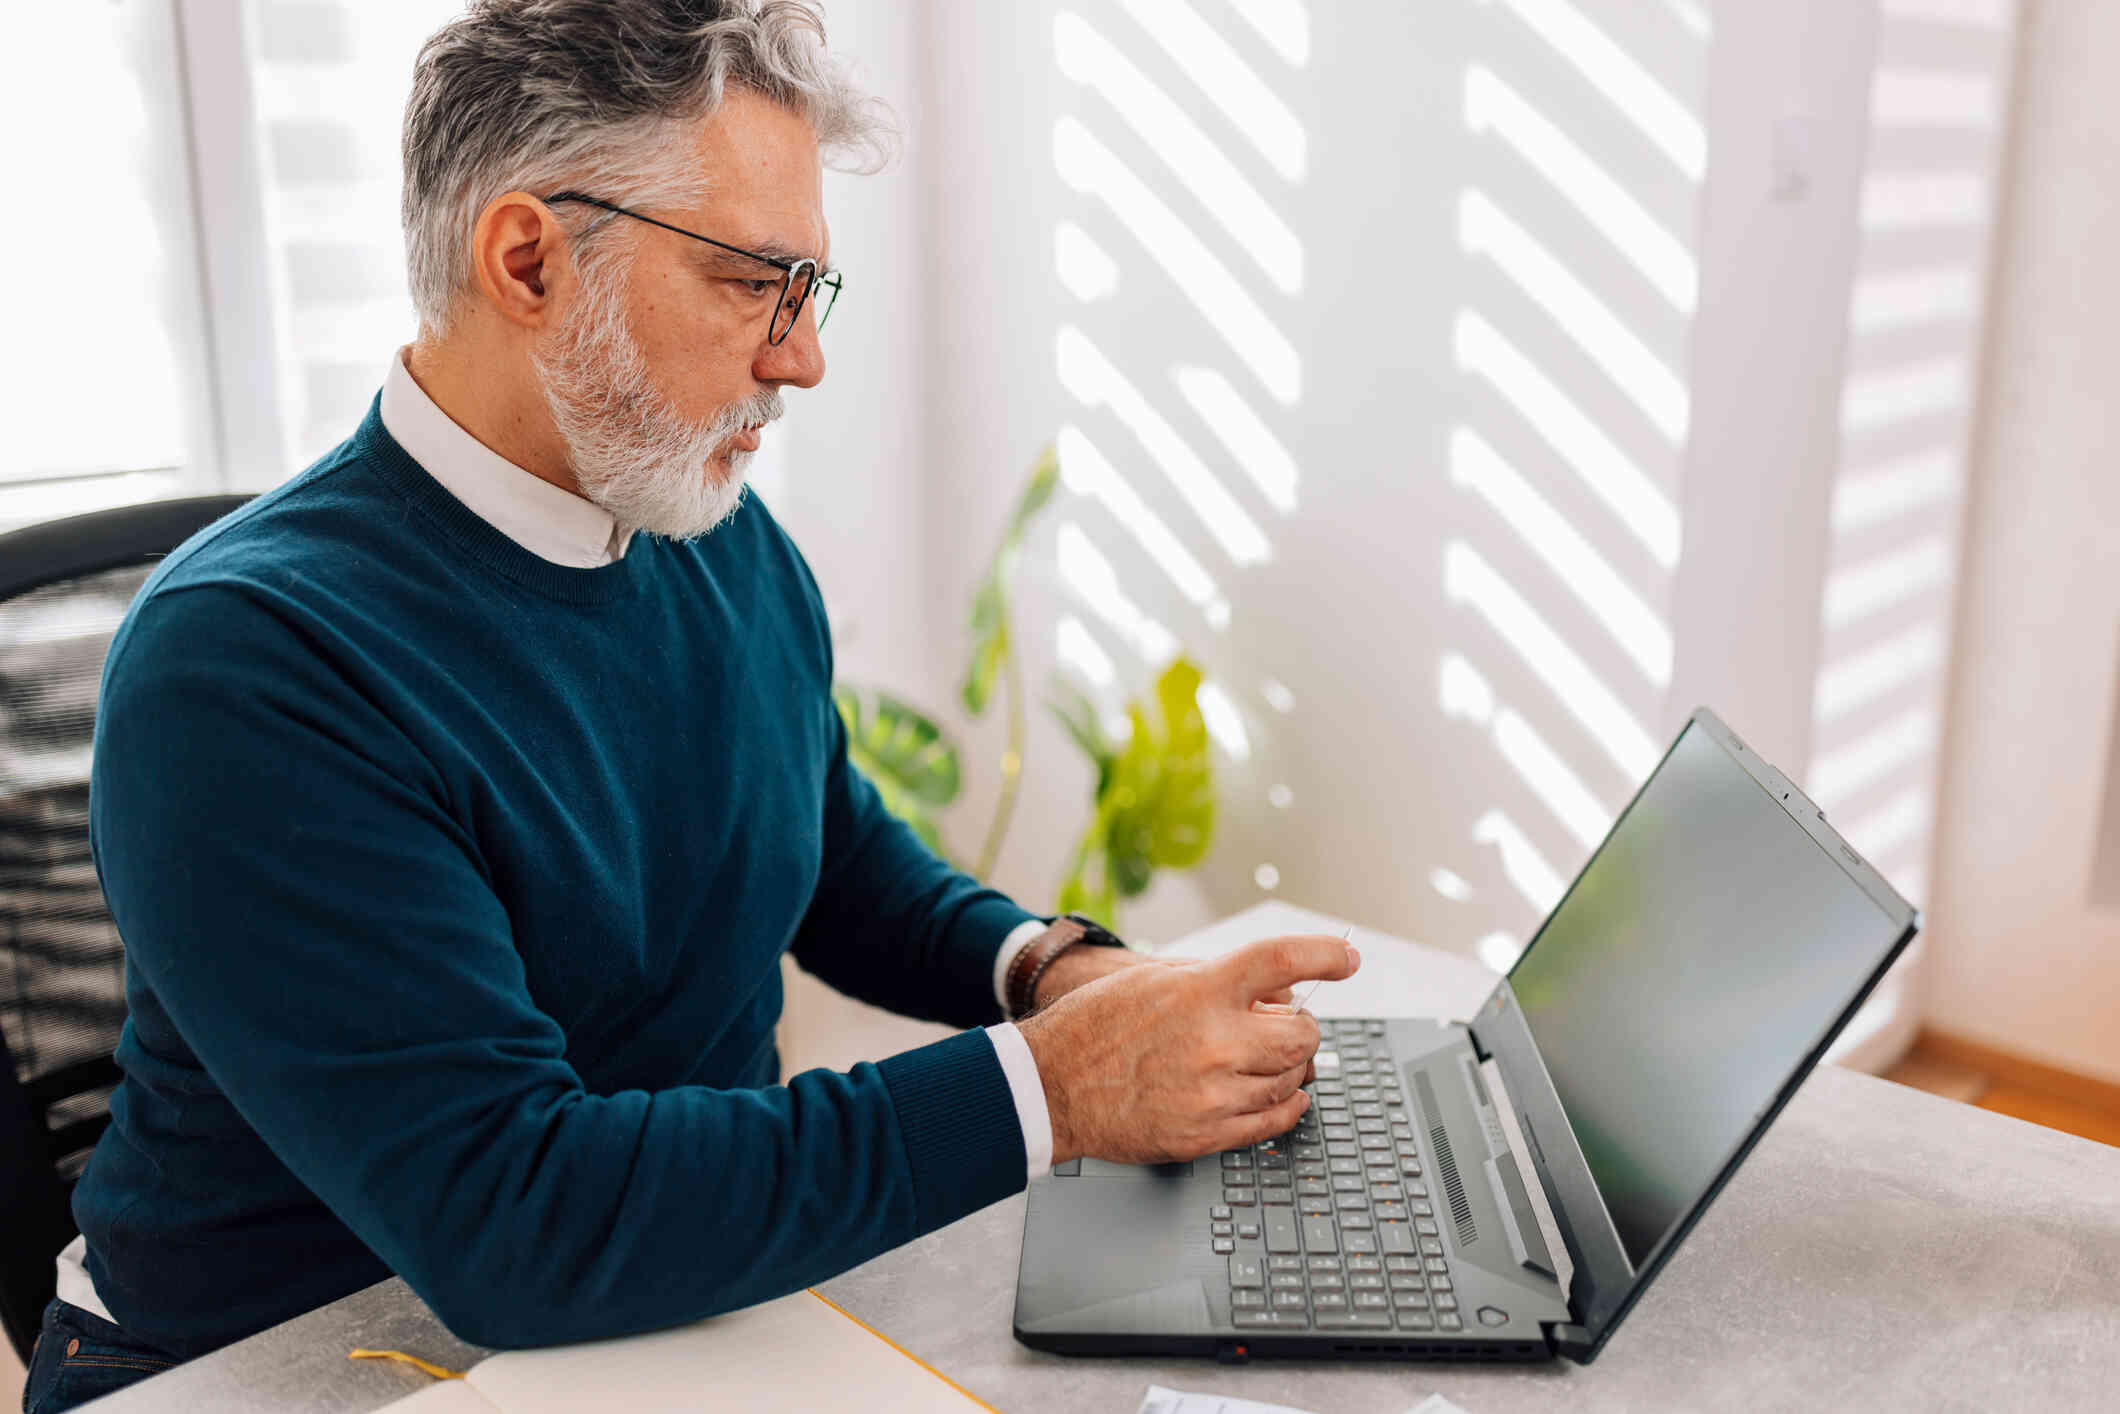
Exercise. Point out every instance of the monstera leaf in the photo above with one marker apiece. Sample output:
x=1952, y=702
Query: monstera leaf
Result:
x=1155, y=802
x=900, y=749
x=1077, y=716
x=990, y=606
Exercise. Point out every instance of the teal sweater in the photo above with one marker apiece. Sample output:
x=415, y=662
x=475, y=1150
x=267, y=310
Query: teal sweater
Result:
x=454, y=886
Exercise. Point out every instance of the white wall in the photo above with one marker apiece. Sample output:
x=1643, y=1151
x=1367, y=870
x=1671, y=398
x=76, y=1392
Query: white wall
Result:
x=1586, y=292
x=2023, y=956
x=1497, y=205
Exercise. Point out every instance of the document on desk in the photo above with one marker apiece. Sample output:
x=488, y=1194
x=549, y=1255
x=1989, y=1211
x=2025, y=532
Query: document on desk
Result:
x=799, y=1352
x=1159, y=1400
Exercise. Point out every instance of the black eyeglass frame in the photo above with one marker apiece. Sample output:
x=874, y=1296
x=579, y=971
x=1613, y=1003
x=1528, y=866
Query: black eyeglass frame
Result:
x=831, y=280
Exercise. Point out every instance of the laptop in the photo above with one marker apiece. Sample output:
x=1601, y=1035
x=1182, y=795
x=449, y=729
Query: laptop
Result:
x=1504, y=1188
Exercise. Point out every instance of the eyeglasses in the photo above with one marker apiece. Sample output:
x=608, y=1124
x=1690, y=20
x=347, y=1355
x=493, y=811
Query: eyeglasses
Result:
x=799, y=278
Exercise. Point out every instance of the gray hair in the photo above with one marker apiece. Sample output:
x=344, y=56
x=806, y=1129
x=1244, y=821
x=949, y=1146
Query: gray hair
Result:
x=590, y=95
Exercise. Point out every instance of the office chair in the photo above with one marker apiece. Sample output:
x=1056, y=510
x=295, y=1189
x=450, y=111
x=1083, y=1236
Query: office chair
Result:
x=64, y=588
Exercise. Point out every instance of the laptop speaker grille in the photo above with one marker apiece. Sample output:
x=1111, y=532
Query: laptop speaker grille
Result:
x=1446, y=1162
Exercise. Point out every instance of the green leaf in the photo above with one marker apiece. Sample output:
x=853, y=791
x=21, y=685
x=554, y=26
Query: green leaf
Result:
x=1045, y=476
x=1077, y=716
x=1157, y=807
x=1077, y=894
x=904, y=754
x=990, y=602
x=1185, y=812
x=990, y=644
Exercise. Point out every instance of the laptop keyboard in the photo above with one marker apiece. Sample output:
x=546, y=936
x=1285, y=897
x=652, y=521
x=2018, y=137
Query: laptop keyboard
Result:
x=1330, y=1226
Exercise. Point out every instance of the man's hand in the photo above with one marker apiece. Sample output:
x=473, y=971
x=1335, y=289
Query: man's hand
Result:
x=1150, y=1064
x=1080, y=966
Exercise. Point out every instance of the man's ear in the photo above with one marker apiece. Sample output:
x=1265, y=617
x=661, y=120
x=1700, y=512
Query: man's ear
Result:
x=516, y=251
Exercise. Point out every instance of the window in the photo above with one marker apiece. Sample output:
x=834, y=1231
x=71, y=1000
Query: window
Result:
x=112, y=397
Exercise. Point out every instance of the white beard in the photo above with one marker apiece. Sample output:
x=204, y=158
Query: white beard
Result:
x=632, y=453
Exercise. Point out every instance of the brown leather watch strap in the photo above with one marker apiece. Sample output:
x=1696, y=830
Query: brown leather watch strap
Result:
x=1029, y=964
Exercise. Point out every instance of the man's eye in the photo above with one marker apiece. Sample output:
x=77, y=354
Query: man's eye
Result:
x=759, y=287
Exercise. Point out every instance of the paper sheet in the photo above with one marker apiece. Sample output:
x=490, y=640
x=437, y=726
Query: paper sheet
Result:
x=1159, y=1400
x=798, y=1352
x=1435, y=1404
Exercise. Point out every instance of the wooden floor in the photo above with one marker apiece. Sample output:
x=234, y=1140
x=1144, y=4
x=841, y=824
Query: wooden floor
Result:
x=2007, y=1084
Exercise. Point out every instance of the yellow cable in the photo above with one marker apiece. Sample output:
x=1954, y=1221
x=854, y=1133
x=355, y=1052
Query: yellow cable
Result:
x=428, y=1365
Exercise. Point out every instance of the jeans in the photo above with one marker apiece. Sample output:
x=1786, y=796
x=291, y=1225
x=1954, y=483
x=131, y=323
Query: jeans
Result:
x=80, y=1356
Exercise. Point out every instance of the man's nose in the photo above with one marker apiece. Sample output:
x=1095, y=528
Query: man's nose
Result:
x=797, y=359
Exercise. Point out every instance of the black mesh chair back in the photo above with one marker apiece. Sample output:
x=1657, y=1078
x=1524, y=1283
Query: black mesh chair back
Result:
x=64, y=589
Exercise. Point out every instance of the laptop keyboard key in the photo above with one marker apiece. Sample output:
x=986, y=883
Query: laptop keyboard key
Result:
x=1269, y=1320
x=1280, y=1226
x=1247, y=1296
x=1354, y=1320
x=1319, y=1235
x=1397, y=1237
x=1290, y=1301
x=1246, y=1271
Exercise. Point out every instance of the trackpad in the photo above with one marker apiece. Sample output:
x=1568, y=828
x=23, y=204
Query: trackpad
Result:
x=1101, y=1168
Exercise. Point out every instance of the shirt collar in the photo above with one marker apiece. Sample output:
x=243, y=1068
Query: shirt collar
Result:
x=549, y=522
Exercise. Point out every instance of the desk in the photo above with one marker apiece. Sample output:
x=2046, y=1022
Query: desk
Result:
x=1881, y=1250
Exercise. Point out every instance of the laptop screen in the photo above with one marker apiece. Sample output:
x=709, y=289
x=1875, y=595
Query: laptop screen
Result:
x=1704, y=951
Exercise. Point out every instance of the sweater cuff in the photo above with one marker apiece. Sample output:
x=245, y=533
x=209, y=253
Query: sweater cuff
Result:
x=957, y=1116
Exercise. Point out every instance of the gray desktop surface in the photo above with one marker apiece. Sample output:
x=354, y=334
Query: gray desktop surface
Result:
x=1881, y=1250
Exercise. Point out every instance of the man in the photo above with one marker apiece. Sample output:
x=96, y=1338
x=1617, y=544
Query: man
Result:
x=457, y=800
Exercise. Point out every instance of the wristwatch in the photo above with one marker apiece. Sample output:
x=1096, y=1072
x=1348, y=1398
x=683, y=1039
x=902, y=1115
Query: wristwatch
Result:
x=1066, y=931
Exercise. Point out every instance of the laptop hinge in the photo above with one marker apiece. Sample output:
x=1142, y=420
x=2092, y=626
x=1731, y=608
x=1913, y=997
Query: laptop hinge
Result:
x=1531, y=1174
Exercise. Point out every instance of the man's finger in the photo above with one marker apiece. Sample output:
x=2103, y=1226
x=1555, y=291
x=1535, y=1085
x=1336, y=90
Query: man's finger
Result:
x=1263, y=968
x=1275, y=1041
